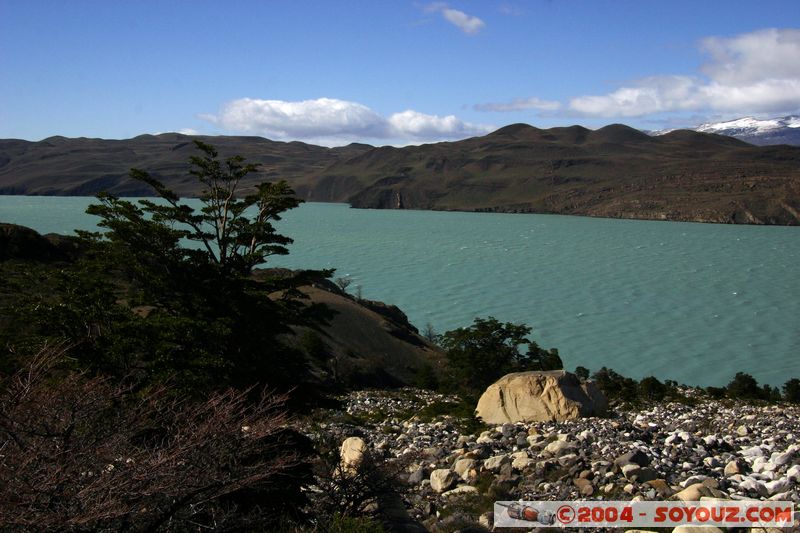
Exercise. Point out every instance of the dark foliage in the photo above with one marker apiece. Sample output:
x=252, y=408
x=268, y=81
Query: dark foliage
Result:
x=791, y=390
x=480, y=354
x=139, y=300
x=745, y=387
x=85, y=453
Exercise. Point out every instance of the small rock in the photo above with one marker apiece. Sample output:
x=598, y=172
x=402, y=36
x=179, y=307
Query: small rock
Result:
x=463, y=466
x=630, y=471
x=487, y=520
x=661, y=487
x=753, y=485
x=637, y=457
x=734, y=467
x=693, y=493
x=584, y=486
x=496, y=462
x=461, y=489
x=558, y=447
x=416, y=477
x=779, y=485
x=443, y=479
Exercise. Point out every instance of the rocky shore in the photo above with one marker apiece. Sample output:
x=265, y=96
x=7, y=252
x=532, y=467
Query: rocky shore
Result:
x=702, y=448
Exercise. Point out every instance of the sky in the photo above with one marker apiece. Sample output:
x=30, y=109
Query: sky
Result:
x=389, y=71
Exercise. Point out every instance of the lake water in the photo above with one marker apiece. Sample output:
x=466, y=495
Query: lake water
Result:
x=690, y=302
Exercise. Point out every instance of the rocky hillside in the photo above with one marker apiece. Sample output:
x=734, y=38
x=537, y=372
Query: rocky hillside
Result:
x=615, y=171
x=365, y=343
x=80, y=167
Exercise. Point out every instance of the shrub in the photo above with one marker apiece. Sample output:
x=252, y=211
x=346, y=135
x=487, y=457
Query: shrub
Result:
x=791, y=390
x=84, y=453
x=744, y=386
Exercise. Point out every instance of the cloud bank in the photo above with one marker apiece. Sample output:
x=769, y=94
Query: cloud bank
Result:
x=756, y=72
x=752, y=73
x=333, y=122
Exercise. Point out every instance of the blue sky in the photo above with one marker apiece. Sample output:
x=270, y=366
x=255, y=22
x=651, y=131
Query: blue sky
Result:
x=389, y=72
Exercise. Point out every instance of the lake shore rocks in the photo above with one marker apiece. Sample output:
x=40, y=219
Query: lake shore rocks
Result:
x=681, y=451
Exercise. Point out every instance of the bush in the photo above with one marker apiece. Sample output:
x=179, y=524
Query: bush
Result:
x=651, y=389
x=744, y=387
x=85, y=453
x=479, y=355
x=582, y=372
x=791, y=390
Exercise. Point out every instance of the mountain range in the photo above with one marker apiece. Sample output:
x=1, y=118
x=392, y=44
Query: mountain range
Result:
x=615, y=171
x=780, y=130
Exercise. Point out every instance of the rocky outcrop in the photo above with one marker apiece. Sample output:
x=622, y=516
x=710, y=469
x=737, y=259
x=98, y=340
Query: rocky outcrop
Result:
x=19, y=242
x=540, y=396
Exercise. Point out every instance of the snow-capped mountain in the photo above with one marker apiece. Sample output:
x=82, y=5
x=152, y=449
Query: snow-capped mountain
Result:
x=783, y=130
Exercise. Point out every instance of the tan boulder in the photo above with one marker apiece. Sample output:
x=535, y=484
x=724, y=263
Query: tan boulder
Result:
x=352, y=453
x=538, y=396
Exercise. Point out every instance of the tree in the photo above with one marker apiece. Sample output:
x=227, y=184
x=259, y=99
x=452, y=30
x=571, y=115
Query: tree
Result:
x=212, y=320
x=791, y=390
x=582, y=372
x=651, y=389
x=480, y=354
x=744, y=386
x=429, y=333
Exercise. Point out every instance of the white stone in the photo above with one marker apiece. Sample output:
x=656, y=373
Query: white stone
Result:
x=461, y=489
x=443, y=479
x=351, y=453
x=521, y=461
x=462, y=467
x=781, y=459
x=630, y=470
x=494, y=463
x=750, y=484
x=755, y=451
x=779, y=485
x=558, y=447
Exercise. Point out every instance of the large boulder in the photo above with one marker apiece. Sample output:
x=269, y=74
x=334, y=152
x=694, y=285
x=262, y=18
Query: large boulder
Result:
x=555, y=395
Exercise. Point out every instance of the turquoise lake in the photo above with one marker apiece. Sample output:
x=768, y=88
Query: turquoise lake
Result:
x=690, y=302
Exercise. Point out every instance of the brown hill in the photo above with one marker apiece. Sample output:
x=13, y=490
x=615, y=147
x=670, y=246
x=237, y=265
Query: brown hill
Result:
x=77, y=167
x=615, y=171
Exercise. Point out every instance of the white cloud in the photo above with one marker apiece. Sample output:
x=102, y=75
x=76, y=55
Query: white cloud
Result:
x=519, y=104
x=323, y=117
x=332, y=122
x=467, y=23
x=415, y=125
x=757, y=72
x=753, y=57
x=188, y=131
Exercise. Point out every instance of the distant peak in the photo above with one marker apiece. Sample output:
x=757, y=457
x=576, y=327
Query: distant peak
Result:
x=620, y=133
x=514, y=129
